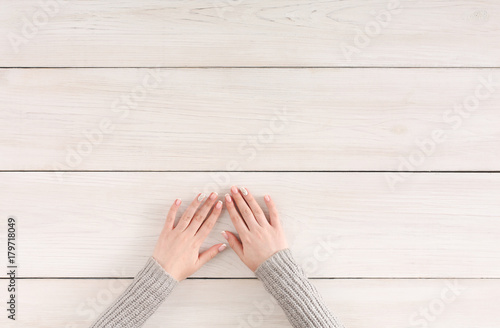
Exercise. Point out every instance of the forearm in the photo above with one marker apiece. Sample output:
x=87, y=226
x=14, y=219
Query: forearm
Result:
x=285, y=280
x=139, y=301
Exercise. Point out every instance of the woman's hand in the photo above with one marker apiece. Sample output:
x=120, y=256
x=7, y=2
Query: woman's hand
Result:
x=178, y=248
x=260, y=238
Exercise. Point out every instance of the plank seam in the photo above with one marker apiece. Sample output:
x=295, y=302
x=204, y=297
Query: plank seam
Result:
x=247, y=278
x=253, y=67
x=239, y=171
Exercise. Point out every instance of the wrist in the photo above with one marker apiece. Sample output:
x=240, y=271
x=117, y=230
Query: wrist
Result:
x=162, y=272
x=276, y=262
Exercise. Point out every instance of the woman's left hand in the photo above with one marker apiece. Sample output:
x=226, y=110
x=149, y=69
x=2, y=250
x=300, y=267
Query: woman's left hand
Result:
x=178, y=248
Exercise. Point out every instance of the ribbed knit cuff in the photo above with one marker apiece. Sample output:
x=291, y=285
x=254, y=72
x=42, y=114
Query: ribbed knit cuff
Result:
x=139, y=301
x=285, y=280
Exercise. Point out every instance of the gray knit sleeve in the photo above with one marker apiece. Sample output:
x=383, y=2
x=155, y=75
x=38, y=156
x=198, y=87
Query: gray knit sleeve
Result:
x=285, y=280
x=140, y=300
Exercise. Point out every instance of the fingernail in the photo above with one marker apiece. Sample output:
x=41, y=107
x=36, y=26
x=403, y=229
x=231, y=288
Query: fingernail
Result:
x=244, y=191
x=224, y=234
x=228, y=198
x=178, y=201
x=222, y=247
x=201, y=197
x=219, y=204
x=234, y=190
x=214, y=195
x=267, y=198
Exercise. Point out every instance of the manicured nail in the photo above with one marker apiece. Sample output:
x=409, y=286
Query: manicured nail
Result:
x=222, y=247
x=201, y=197
x=228, y=198
x=267, y=198
x=178, y=201
x=219, y=204
x=244, y=191
x=224, y=234
x=214, y=195
x=234, y=190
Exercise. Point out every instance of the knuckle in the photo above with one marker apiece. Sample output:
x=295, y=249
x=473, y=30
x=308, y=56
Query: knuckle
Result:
x=264, y=219
x=210, y=224
x=246, y=211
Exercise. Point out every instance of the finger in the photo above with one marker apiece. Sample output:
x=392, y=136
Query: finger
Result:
x=238, y=222
x=169, y=222
x=209, y=223
x=210, y=253
x=245, y=211
x=234, y=242
x=273, y=212
x=254, y=206
x=200, y=216
x=188, y=214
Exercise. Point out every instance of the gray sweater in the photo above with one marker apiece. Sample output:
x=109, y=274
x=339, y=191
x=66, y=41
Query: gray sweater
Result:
x=281, y=275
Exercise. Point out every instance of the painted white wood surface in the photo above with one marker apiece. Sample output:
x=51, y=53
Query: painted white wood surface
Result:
x=340, y=225
x=129, y=33
x=249, y=119
x=358, y=303
x=105, y=224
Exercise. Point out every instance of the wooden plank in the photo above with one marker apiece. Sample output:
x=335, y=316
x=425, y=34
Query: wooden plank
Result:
x=128, y=33
x=249, y=119
x=244, y=303
x=338, y=224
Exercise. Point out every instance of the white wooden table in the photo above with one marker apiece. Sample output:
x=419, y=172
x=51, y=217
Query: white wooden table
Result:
x=374, y=125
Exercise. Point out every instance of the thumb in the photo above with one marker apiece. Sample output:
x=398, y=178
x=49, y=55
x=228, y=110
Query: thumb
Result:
x=210, y=254
x=234, y=242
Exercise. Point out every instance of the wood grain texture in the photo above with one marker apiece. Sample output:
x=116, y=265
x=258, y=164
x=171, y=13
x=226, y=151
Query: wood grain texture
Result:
x=244, y=303
x=127, y=33
x=249, y=119
x=338, y=225
x=223, y=109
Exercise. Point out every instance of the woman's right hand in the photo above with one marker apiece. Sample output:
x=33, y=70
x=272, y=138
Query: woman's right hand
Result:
x=260, y=237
